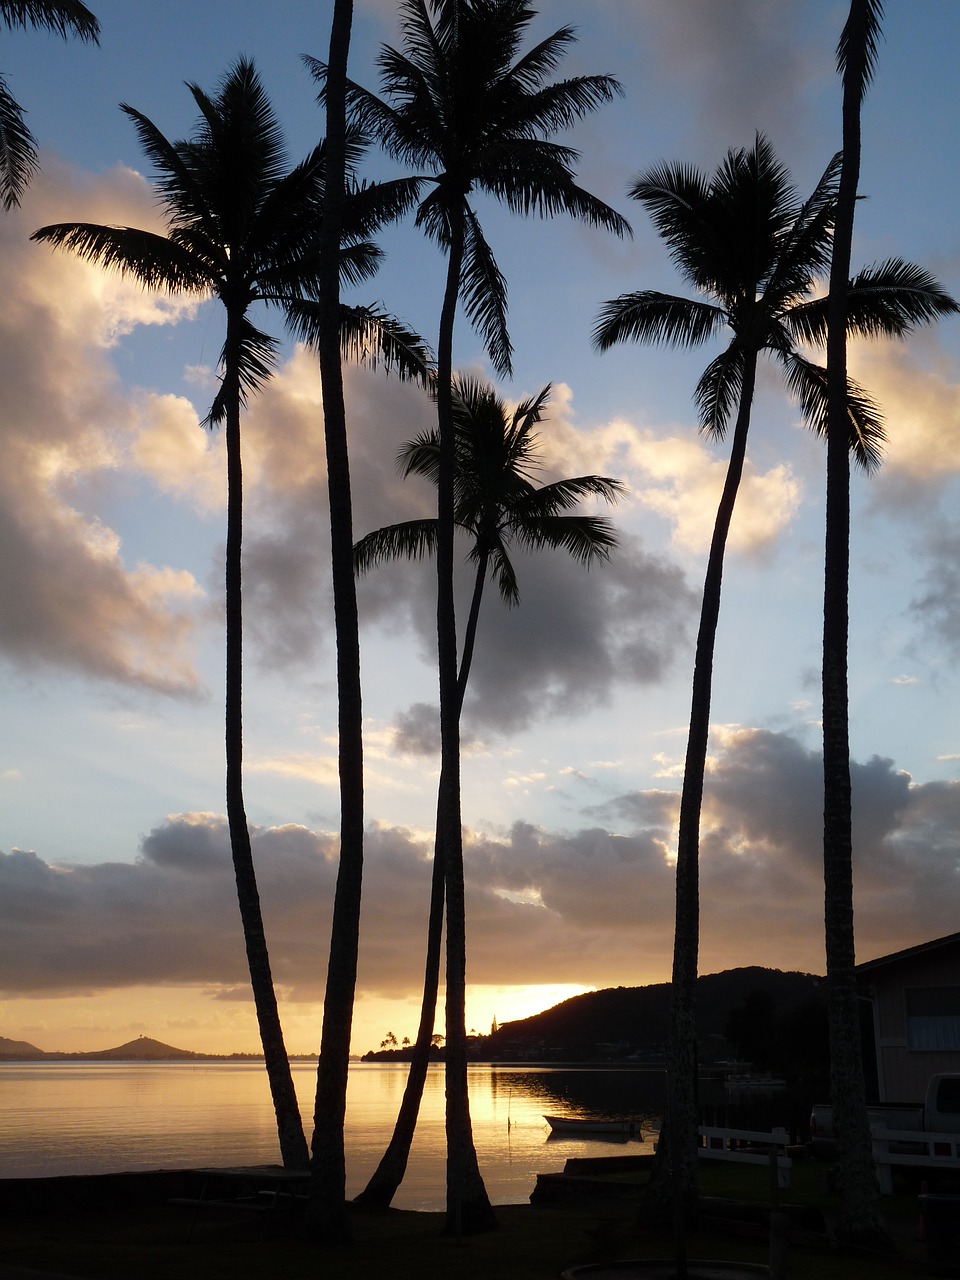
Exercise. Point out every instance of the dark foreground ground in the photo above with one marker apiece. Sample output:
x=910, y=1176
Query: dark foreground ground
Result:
x=124, y=1227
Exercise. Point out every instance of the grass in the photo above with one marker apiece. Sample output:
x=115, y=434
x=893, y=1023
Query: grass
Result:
x=149, y=1241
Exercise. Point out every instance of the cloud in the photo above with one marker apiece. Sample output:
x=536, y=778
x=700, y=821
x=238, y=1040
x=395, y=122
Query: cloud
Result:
x=675, y=476
x=937, y=605
x=738, y=66
x=587, y=906
x=917, y=389
x=72, y=602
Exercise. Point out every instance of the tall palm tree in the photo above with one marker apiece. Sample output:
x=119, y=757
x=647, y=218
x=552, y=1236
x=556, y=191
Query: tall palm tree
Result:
x=461, y=105
x=18, y=146
x=327, y=1207
x=746, y=241
x=860, y=1218
x=496, y=504
x=242, y=228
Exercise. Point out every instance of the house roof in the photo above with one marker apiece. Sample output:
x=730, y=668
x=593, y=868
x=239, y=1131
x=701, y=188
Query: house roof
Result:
x=951, y=940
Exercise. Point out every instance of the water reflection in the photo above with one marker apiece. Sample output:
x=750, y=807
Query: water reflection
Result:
x=63, y=1118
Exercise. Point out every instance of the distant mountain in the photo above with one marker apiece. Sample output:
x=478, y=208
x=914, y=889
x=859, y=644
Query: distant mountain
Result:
x=143, y=1049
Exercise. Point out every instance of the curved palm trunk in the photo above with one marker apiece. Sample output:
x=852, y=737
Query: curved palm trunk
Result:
x=680, y=1170
x=468, y=1206
x=327, y=1212
x=860, y=1217
x=386, y=1178
x=382, y=1187
x=293, y=1145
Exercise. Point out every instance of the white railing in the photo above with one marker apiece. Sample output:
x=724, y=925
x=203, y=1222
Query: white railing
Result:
x=915, y=1147
x=749, y=1146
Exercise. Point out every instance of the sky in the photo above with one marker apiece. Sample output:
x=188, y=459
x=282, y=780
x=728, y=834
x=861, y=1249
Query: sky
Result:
x=117, y=908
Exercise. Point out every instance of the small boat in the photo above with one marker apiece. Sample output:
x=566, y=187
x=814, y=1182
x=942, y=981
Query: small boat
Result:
x=569, y=1124
x=753, y=1080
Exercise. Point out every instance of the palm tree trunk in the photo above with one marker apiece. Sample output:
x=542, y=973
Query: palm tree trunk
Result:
x=680, y=1170
x=327, y=1213
x=468, y=1206
x=386, y=1178
x=470, y=631
x=382, y=1187
x=860, y=1217
x=293, y=1145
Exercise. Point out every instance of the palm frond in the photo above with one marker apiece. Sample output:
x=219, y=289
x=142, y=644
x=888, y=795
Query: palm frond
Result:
x=256, y=360
x=648, y=316
x=559, y=106
x=183, y=203
x=859, y=44
x=806, y=247
x=532, y=176
x=368, y=335
x=502, y=572
x=887, y=300
x=562, y=495
x=373, y=337
x=528, y=72
x=718, y=390
x=484, y=292
x=584, y=538
x=409, y=540
x=18, y=150
x=676, y=197
x=421, y=456
x=894, y=296
x=808, y=383
x=63, y=17
x=154, y=260
x=371, y=206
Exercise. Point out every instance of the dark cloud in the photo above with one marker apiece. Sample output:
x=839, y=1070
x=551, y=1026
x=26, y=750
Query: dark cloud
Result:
x=584, y=906
x=417, y=730
x=739, y=66
x=937, y=607
x=576, y=636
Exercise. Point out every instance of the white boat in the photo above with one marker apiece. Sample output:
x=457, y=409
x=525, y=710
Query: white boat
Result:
x=572, y=1124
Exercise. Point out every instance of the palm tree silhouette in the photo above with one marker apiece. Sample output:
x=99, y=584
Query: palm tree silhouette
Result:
x=241, y=228
x=370, y=334
x=461, y=105
x=497, y=504
x=18, y=147
x=747, y=242
x=860, y=1219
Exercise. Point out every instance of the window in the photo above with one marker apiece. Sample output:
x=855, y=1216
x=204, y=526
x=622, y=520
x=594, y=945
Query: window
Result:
x=933, y=1017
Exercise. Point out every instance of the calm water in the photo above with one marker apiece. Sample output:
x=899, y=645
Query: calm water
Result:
x=78, y=1117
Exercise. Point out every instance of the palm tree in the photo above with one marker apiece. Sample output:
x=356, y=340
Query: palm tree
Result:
x=242, y=229
x=373, y=334
x=461, y=105
x=326, y=1209
x=18, y=147
x=496, y=504
x=745, y=240
x=860, y=1218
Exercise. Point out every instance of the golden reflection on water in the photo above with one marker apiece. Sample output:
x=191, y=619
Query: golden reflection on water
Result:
x=73, y=1117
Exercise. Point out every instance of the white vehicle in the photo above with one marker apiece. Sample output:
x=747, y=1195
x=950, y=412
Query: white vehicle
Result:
x=938, y=1113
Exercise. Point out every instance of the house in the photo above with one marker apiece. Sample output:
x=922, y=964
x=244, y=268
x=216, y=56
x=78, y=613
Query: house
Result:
x=915, y=996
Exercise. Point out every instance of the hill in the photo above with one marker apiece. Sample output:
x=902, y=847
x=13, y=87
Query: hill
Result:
x=18, y=1051
x=740, y=1012
x=143, y=1049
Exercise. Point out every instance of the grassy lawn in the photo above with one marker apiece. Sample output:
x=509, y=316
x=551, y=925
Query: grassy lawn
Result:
x=149, y=1241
